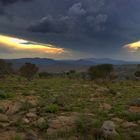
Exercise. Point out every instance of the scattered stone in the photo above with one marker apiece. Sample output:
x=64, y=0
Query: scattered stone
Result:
x=102, y=90
x=4, y=124
x=25, y=120
x=32, y=100
x=128, y=125
x=41, y=121
x=11, y=135
x=138, y=122
x=111, y=115
x=108, y=129
x=118, y=120
x=61, y=123
x=33, y=110
x=4, y=118
x=14, y=109
x=31, y=115
x=106, y=106
x=135, y=102
x=134, y=109
x=4, y=105
x=92, y=99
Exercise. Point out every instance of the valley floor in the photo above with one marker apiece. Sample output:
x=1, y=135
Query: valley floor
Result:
x=67, y=109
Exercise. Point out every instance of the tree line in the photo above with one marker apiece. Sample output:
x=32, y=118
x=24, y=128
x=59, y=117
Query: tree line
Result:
x=103, y=72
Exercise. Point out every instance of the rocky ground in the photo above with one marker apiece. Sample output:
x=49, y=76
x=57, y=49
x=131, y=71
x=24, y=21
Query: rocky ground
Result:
x=66, y=109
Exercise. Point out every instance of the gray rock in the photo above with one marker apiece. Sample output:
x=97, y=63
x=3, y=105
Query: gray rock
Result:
x=135, y=102
x=108, y=129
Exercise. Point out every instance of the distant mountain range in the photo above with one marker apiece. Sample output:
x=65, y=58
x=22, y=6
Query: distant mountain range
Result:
x=52, y=65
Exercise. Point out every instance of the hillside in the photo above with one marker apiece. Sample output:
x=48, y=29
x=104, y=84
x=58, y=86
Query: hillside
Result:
x=51, y=65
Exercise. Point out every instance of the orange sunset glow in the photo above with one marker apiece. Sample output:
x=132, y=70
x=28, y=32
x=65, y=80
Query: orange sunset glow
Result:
x=133, y=47
x=21, y=44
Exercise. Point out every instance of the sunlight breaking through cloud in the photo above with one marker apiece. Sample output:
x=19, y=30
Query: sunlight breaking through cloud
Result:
x=25, y=45
x=133, y=47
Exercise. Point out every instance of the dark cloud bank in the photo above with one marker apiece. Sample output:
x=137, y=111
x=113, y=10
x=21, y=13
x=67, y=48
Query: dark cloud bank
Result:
x=98, y=27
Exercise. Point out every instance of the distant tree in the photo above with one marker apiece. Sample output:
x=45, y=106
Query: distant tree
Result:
x=101, y=71
x=138, y=66
x=5, y=68
x=28, y=71
x=44, y=75
x=137, y=73
x=71, y=74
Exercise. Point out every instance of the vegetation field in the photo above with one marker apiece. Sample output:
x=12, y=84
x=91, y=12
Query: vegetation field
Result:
x=60, y=108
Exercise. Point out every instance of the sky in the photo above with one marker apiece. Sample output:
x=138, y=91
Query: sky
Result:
x=70, y=29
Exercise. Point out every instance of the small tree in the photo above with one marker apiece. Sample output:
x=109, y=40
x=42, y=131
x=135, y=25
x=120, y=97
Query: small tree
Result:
x=137, y=73
x=5, y=68
x=28, y=70
x=44, y=75
x=100, y=71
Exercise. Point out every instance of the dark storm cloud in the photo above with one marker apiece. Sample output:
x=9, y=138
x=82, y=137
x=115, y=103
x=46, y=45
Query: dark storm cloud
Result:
x=50, y=25
x=100, y=27
x=83, y=14
x=4, y=3
x=8, y=2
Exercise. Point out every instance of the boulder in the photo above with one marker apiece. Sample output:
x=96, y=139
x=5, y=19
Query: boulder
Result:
x=108, y=129
x=135, y=102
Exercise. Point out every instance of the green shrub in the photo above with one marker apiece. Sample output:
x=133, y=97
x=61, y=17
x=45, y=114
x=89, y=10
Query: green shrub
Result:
x=43, y=126
x=16, y=137
x=4, y=95
x=26, y=106
x=84, y=124
x=52, y=108
x=132, y=116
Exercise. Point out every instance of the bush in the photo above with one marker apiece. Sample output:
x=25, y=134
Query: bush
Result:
x=28, y=70
x=100, y=71
x=44, y=75
x=43, y=126
x=5, y=68
x=16, y=137
x=26, y=106
x=84, y=124
x=52, y=108
x=137, y=74
x=4, y=95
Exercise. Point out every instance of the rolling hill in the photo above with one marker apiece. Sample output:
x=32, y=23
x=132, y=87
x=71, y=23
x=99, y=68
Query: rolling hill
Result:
x=52, y=65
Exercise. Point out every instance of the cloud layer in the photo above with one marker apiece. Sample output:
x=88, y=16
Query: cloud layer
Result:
x=97, y=28
x=85, y=15
x=4, y=3
x=20, y=45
